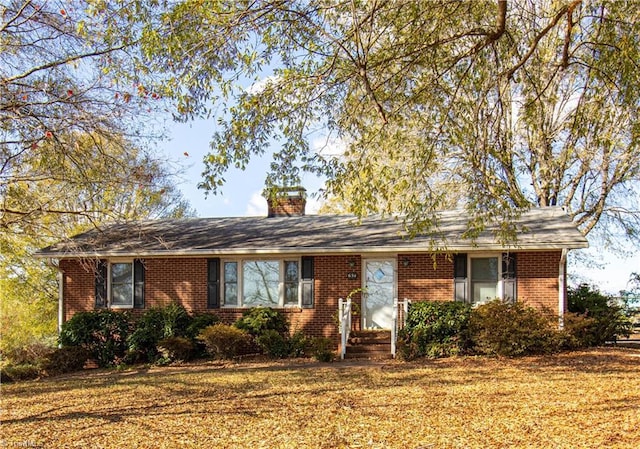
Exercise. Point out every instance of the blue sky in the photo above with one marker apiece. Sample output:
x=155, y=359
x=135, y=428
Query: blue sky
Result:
x=241, y=196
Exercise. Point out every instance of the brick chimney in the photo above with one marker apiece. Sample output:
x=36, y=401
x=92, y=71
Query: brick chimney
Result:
x=286, y=202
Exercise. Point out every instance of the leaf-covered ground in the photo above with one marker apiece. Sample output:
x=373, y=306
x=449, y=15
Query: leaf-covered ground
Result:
x=588, y=399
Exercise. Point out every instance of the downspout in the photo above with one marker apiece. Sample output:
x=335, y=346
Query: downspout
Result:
x=562, y=288
x=60, y=279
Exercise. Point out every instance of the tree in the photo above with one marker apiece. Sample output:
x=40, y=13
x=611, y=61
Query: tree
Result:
x=61, y=105
x=72, y=152
x=506, y=104
x=59, y=198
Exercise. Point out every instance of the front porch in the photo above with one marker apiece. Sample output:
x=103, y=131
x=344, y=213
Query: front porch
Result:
x=373, y=343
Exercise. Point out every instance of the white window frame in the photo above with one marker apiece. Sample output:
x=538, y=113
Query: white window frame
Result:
x=240, y=262
x=110, y=281
x=499, y=282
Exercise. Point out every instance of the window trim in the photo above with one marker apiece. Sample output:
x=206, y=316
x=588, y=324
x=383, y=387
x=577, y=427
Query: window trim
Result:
x=240, y=262
x=110, y=304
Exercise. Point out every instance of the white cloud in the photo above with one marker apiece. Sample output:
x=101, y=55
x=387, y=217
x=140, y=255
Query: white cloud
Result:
x=313, y=206
x=261, y=85
x=257, y=206
x=328, y=145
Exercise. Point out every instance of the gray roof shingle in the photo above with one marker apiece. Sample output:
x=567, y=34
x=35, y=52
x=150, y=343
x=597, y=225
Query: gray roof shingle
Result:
x=542, y=228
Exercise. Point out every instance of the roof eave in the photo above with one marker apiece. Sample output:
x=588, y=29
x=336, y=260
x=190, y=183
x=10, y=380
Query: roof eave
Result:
x=313, y=250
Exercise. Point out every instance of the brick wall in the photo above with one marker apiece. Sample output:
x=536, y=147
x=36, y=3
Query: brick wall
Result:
x=426, y=277
x=537, y=279
x=181, y=280
x=78, y=286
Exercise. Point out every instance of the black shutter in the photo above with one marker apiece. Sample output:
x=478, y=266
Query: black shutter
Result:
x=213, y=283
x=101, y=284
x=509, y=290
x=307, y=282
x=460, y=277
x=138, y=284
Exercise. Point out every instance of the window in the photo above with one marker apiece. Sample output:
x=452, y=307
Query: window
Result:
x=479, y=278
x=261, y=283
x=231, y=283
x=266, y=283
x=121, y=284
x=291, y=283
x=484, y=279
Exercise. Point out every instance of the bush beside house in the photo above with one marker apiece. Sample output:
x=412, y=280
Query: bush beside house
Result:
x=433, y=329
x=511, y=329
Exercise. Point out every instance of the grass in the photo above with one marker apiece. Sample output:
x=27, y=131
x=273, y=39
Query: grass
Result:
x=580, y=400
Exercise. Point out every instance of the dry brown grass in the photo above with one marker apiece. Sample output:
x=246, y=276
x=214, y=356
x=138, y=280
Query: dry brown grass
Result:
x=588, y=399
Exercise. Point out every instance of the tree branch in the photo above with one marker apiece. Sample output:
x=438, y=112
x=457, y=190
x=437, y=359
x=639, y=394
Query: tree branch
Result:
x=509, y=73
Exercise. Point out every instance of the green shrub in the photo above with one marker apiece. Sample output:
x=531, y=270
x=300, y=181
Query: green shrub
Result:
x=298, y=344
x=577, y=332
x=584, y=299
x=281, y=346
x=160, y=323
x=606, y=320
x=66, y=360
x=15, y=373
x=176, y=349
x=323, y=349
x=258, y=320
x=175, y=320
x=142, y=345
x=102, y=333
x=434, y=329
x=223, y=341
x=198, y=322
x=273, y=344
x=511, y=329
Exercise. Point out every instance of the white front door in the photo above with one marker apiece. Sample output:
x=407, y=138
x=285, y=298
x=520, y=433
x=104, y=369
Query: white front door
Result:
x=379, y=291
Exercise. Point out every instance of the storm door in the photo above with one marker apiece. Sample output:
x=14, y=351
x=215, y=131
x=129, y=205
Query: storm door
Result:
x=379, y=291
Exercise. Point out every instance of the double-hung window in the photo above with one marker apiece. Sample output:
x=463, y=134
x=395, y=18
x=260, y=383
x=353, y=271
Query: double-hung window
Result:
x=121, y=284
x=484, y=279
x=261, y=282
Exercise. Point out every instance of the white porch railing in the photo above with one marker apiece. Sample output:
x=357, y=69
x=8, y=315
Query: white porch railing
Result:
x=344, y=315
x=399, y=320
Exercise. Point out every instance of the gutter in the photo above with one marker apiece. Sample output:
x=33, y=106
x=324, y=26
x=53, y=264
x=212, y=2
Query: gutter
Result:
x=562, y=287
x=311, y=250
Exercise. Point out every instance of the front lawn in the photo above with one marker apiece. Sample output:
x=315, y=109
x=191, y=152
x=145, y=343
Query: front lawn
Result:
x=588, y=399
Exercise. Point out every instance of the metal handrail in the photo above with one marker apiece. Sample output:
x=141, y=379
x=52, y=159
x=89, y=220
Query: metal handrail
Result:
x=344, y=314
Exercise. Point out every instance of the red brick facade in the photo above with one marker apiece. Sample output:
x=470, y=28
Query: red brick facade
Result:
x=538, y=279
x=419, y=277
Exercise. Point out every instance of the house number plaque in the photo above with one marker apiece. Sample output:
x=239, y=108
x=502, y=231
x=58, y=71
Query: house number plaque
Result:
x=352, y=275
